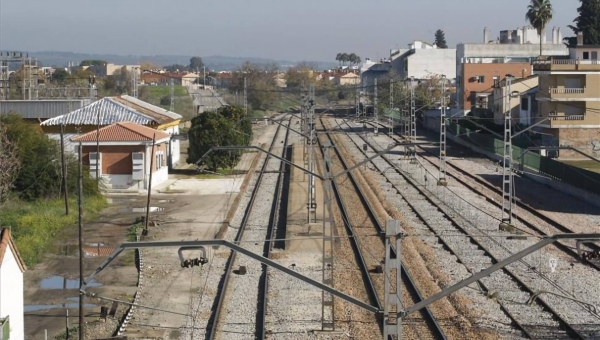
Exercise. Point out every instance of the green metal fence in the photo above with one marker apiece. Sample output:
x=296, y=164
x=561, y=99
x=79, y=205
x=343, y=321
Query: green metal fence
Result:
x=577, y=177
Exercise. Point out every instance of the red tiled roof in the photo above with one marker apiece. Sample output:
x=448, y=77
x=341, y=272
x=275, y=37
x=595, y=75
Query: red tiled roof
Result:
x=6, y=241
x=123, y=132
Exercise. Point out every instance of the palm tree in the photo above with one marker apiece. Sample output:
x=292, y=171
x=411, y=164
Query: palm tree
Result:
x=357, y=60
x=338, y=57
x=352, y=58
x=345, y=57
x=539, y=13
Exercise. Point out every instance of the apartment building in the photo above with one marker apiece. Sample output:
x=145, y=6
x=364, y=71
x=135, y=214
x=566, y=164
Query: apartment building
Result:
x=481, y=65
x=569, y=98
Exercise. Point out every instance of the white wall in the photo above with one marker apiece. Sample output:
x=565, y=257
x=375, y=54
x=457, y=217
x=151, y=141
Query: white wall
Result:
x=425, y=62
x=175, y=151
x=11, y=295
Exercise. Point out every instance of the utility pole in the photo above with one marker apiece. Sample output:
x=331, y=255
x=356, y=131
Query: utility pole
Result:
x=376, y=129
x=64, y=167
x=134, y=82
x=149, y=186
x=357, y=102
x=80, y=202
x=507, y=173
x=97, y=149
x=413, y=121
x=312, y=205
x=245, y=97
x=172, y=106
x=391, y=117
x=392, y=322
x=442, y=175
x=204, y=81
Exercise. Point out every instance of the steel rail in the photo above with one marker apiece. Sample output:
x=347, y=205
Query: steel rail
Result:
x=454, y=221
x=274, y=219
x=411, y=286
x=220, y=300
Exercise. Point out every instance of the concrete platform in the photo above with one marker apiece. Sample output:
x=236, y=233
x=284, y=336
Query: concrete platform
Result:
x=297, y=216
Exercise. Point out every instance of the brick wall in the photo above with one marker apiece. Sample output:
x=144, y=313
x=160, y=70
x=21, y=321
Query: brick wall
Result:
x=488, y=71
x=116, y=159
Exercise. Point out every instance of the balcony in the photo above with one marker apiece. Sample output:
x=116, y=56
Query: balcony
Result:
x=558, y=64
x=566, y=94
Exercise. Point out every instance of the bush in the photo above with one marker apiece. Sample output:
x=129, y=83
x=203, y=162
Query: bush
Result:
x=40, y=173
x=226, y=127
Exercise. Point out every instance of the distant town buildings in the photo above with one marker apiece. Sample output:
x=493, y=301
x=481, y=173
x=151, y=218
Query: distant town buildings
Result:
x=479, y=65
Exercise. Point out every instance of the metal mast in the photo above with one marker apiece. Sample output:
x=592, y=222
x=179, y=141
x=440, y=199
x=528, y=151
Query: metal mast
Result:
x=376, y=129
x=312, y=205
x=391, y=117
x=245, y=97
x=413, y=122
x=392, y=323
x=507, y=174
x=357, y=102
x=172, y=107
x=327, y=308
x=442, y=174
x=134, y=83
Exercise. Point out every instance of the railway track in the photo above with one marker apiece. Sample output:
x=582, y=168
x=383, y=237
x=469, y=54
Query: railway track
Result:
x=475, y=254
x=274, y=220
x=425, y=327
x=253, y=323
x=539, y=222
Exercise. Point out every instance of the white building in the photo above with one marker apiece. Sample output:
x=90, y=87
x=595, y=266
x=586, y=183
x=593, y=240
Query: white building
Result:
x=422, y=60
x=11, y=289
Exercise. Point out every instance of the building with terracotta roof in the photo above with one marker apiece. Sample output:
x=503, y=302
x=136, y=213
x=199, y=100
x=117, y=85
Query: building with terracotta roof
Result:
x=111, y=110
x=11, y=288
x=126, y=155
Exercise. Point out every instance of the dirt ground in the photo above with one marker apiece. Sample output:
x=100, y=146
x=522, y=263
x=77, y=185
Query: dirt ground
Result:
x=186, y=208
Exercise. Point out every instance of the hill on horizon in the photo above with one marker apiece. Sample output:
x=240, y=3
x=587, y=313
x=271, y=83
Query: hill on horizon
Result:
x=218, y=63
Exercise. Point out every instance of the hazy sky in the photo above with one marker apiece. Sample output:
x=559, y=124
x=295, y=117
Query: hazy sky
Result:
x=278, y=29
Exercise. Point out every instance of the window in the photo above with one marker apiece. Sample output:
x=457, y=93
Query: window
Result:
x=160, y=159
x=595, y=55
x=525, y=104
x=406, y=65
x=586, y=55
x=496, y=81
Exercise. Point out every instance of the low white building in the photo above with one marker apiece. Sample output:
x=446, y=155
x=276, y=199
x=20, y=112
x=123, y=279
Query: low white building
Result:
x=423, y=60
x=11, y=289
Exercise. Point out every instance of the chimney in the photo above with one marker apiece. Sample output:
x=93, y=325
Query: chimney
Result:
x=486, y=35
x=554, y=36
x=579, y=38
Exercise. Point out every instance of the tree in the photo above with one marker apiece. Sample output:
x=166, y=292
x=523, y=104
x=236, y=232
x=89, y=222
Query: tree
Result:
x=39, y=175
x=9, y=164
x=352, y=58
x=440, y=39
x=148, y=65
x=539, y=13
x=345, y=57
x=357, y=60
x=196, y=63
x=588, y=22
x=262, y=89
x=302, y=73
x=338, y=57
x=226, y=127
x=60, y=75
x=90, y=62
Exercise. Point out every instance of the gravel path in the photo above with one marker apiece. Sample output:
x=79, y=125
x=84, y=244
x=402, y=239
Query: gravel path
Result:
x=575, y=314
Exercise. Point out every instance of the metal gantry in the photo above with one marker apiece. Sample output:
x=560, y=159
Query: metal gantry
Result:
x=245, y=97
x=311, y=205
x=391, y=117
x=28, y=70
x=442, y=174
x=507, y=173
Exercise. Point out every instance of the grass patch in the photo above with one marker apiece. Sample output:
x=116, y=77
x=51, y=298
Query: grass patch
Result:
x=35, y=224
x=133, y=230
x=586, y=164
x=165, y=90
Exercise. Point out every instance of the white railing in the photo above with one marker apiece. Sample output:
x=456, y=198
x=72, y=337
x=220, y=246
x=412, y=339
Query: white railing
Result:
x=566, y=90
x=561, y=61
x=575, y=117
